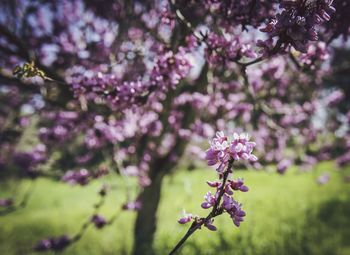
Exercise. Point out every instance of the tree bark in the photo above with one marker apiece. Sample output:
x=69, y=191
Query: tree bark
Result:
x=145, y=226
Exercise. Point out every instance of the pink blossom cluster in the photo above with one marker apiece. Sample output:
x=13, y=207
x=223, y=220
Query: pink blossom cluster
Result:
x=221, y=49
x=29, y=161
x=231, y=206
x=222, y=150
x=54, y=243
x=169, y=69
x=98, y=220
x=132, y=205
x=233, y=12
x=6, y=202
x=298, y=21
x=111, y=89
x=83, y=176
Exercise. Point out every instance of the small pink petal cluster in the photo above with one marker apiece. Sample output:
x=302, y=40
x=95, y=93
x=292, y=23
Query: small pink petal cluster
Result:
x=83, y=176
x=232, y=207
x=187, y=217
x=132, y=205
x=222, y=150
x=228, y=204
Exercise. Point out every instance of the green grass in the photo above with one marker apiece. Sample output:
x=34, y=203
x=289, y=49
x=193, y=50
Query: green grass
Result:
x=288, y=214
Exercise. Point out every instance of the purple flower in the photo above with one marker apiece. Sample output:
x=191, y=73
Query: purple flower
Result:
x=169, y=69
x=222, y=49
x=238, y=185
x=6, y=202
x=228, y=190
x=77, y=177
x=214, y=184
x=227, y=202
x=55, y=244
x=283, y=165
x=132, y=206
x=236, y=212
x=168, y=17
x=209, y=225
x=98, y=221
x=233, y=208
x=187, y=217
x=43, y=245
x=28, y=161
x=222, y=150
x=344, y=159
x=210, y=200
x=234, y=13
x=296, y=24
x=315, y=52
x=335, y=98
x=241, y=148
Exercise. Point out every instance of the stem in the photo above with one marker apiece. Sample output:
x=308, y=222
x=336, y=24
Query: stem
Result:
x=214, y=212
x=222, y=188
x=190, y=231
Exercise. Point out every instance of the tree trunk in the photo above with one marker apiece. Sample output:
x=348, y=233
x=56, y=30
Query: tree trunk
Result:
x=145, y=226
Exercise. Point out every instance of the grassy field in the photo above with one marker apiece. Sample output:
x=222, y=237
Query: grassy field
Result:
x=288, y=214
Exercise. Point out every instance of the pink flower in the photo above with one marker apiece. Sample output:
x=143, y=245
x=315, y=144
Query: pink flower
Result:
x=283, y=165
x=222, y=150
x=6, y=202
x=214, y=184
x=218, y=151
x=238, y=185
x=209, y=225
x=233, y=208
x=132, y=206
x=210, y=200
x=98, y=221
x=241, y=148
x=187, y=217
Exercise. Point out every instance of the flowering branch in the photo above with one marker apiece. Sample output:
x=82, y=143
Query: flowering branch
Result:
x=223, y=153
